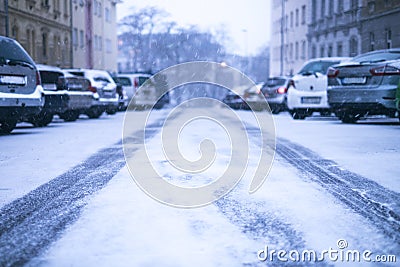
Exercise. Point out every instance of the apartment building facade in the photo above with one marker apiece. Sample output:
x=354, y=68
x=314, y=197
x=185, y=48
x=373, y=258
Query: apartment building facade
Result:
x=42, y=27
x=380, y=25
x=64, y=33
x=94, y=34
x=343, y=28
x=289, y=49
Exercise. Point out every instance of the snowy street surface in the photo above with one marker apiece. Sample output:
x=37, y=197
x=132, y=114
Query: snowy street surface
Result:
x=332, y=197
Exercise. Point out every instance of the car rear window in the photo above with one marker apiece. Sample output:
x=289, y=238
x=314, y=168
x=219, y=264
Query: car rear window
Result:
x=317, y=66
x=13, y=51
x=377, y=57
x=124, y=81
x=50, y=76
x=275, y=82
x=142, y=80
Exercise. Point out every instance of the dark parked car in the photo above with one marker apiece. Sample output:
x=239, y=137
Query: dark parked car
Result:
x=21, y=93
x=274, y=91
x=63, y=96
x=365, y=86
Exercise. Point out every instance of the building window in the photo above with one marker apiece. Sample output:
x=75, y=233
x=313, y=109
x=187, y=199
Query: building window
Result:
x=291, y=52
x=66, y=7
x=322, y=51
x=323, y=9
x=339, y=51
x=314, y=11
x=331, y=8
x=388, y=38
x=371, y=41
x=303, y=15
x=100, y=11
x=303, y=49
x=107, y=14
x=94, y=7
x=287, y=22
x=354, y=4
x=330, y=50
x=100, y=43
x=297, y=17
x=371, y=7
x=314, y=52
x=75, y=37
x=388, y=3
x=353, y=47
x=340, y=6
x=296, y=51
x=291, y=19
x=44, y=44
x=109, y=46
x=81, y=39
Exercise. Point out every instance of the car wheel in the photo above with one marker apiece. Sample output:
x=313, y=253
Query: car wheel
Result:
x=349, y=118
x=94, y=113
x=70, y=115
x=42, y=119
x=7, y=126
x=325, y=113
x=111, y=111
x=298, y=115
x=275, y=110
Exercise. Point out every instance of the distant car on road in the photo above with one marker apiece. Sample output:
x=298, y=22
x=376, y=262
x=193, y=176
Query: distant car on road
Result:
x=21, y=93
x=365, y=86
x=139, y=96
x=106, y=97
x=307, y=89
x=246, y=98
x=274, y=91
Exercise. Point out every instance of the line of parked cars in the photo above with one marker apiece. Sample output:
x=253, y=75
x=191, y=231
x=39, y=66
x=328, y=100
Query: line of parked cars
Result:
x=34, y=93
x=350, y=88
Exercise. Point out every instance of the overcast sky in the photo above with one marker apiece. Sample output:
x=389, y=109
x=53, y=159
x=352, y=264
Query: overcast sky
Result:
x=247, y=21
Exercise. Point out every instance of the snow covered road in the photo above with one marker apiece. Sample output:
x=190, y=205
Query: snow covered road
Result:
x=330, y=184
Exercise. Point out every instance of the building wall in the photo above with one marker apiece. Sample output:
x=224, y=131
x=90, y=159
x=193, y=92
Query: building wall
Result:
x=335, y=28
x=295, y=45
x=43, y=29
x=94, y=33
x=380, y=25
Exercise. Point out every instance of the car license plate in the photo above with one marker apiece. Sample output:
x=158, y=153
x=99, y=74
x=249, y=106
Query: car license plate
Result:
x=12, y=80
x=49, y=86
x=354, y=80
x=311, y=100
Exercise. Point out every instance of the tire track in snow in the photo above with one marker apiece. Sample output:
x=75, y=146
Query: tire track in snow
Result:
x=28, y=225
x=374, y=202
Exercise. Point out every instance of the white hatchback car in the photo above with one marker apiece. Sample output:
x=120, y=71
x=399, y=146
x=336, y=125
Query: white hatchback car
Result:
x=307, y=91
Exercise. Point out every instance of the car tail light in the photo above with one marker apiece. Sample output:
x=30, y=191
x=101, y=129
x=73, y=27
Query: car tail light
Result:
x=384, y=70
x=282, y=90
x=92, y=88
x=38, y=81
x=332, y=72
x=291, y=83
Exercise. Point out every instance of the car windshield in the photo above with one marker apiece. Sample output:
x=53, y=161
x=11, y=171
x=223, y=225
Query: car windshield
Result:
x=10, y=50
x=317, y=66
x=377, y=57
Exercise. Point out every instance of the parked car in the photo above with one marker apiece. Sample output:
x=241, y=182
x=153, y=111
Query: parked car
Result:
x=274, y=91
x=131, y=82
x=122, y=96
x=365, y=86
x=63, y=96
x=307, y=89
x=246, y=98
x=21, y=93
x=106, y=97
x=139, y=96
